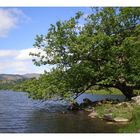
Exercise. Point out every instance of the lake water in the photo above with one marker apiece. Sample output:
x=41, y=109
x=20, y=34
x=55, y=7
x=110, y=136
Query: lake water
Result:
x=19, y=114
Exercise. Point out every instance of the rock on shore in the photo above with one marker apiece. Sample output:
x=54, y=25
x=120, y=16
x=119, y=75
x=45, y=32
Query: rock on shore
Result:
x=93, y=114
x=136, y=99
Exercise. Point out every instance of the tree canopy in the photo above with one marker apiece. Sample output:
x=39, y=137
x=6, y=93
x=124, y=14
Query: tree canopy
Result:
x=100, y=49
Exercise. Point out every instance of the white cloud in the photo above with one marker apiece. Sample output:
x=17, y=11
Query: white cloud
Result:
x=9, y=19
x=20, y=67
x=5, y=53
x=20, y=54
x=19, y=62
x=24, y=54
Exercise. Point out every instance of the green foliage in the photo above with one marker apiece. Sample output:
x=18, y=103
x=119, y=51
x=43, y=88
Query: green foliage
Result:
x=134, y=125
x=45, y=87
x=121, y=111
x=104, y=91
x=6, y=84
x=104, y=51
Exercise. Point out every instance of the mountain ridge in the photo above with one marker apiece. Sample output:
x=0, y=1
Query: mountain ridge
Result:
x=15, y=77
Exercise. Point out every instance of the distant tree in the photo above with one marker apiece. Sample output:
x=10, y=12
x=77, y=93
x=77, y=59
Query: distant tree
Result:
x=104, y=51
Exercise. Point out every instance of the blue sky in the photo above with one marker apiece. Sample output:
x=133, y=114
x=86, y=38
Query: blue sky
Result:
x=18, y=29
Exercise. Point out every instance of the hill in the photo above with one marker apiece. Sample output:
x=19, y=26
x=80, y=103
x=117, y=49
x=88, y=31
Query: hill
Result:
x=9, y=80
x=16, y=77
x=31, y=75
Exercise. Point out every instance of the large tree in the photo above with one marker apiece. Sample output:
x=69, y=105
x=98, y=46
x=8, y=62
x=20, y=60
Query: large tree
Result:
x=101, y=49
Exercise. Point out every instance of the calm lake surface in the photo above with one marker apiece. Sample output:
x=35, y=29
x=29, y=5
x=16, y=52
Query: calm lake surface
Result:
x=19, y=114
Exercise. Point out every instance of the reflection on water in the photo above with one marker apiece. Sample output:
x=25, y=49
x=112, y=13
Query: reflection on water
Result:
x=18, y=113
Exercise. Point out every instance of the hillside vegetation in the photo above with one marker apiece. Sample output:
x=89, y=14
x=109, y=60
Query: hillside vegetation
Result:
x=8, y=81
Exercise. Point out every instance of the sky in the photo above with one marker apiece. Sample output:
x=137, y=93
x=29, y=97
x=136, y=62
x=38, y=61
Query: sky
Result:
x=18, y=28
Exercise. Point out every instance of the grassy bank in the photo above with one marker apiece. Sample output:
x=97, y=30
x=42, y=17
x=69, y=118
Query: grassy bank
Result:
x=104, y=91
x=127, y=110
x=134, y=125
x=116, y=110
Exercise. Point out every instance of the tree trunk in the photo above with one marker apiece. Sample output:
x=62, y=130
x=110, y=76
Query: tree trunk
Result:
x=77, y=95
x=127, y=91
